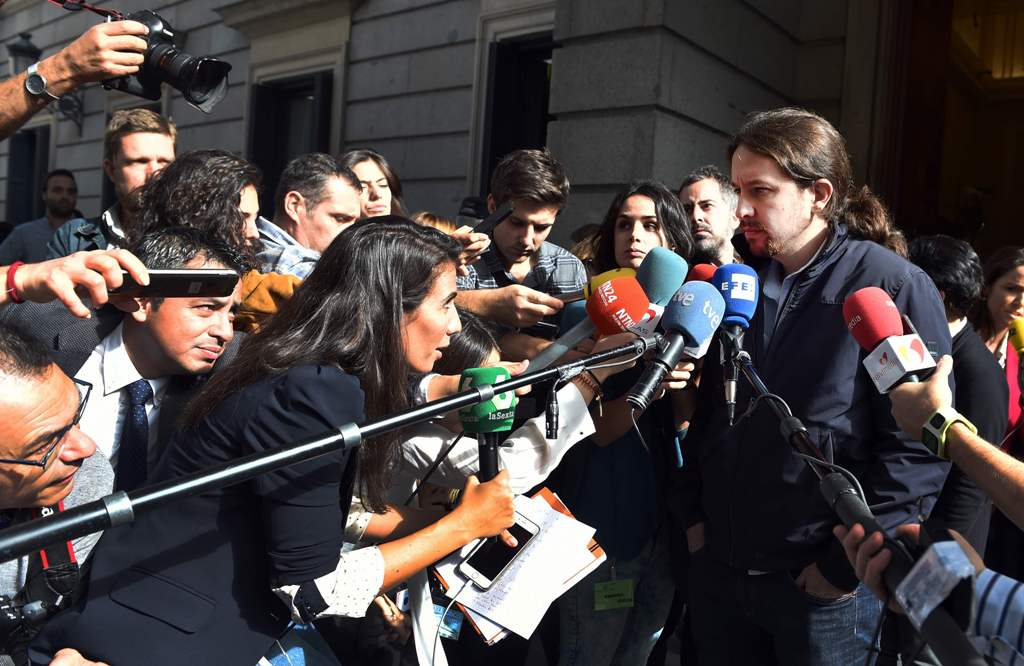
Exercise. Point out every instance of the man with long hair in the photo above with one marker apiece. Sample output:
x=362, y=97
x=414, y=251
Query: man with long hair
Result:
x=768, y=582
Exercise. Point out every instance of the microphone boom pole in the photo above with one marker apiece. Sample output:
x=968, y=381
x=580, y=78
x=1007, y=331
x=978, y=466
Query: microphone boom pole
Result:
x=120, y=508
x=946, y=639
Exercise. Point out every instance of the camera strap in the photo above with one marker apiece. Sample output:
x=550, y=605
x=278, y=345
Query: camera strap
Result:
x=79, y=5
x=53, y=570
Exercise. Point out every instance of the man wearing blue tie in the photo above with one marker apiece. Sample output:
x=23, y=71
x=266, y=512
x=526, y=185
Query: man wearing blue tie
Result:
x=142, y=363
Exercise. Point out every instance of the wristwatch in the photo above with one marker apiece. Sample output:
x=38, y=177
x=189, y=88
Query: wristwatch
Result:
x=933, y=434
x=35, y=83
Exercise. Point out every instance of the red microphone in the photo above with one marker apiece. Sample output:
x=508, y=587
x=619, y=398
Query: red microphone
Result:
x=701, y=273
x=617, y=305
x=897, y=352
x=871, y=317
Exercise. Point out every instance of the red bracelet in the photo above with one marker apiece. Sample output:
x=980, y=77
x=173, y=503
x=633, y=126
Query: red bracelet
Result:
x=12, y=291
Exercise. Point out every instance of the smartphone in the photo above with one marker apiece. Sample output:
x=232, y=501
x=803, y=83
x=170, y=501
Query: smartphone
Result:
x=494, y=219
x=571, y=297
x=491, y=557
x=181, y=282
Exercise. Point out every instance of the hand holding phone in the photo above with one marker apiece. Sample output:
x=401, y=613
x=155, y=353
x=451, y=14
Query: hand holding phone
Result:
x=492, y=557
x=485, y=509
x=487, y=225
x=181, y=282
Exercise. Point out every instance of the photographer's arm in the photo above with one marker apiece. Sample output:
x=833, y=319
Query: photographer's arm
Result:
x=104, y=51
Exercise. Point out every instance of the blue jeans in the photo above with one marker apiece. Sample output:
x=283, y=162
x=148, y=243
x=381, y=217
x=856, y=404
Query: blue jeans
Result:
x=621, y=636
x=744, y=619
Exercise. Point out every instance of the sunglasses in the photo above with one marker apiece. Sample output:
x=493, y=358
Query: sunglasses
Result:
x=84, y=389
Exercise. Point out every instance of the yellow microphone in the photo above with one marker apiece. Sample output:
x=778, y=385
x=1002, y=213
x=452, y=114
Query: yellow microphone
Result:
x=1017, y=335
x=607, y=276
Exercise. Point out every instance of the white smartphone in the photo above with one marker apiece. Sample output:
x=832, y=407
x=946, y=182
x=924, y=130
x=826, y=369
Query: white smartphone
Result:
x=491, y=557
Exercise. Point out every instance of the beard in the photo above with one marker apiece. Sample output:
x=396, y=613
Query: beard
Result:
x=60, y=209
x=706, y=251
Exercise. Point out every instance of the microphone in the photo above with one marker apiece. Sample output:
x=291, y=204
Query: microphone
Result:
x=690, y=321
x=1017, y=335
x=489, y=418
x=701, y=272
x=737, y=284
x=617, y=305
x=660, y=274
x=897, y=352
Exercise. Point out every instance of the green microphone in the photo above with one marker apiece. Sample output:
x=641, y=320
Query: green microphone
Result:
x=488, y=418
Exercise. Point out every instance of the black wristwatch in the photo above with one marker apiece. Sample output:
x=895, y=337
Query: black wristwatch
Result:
x=35, y=83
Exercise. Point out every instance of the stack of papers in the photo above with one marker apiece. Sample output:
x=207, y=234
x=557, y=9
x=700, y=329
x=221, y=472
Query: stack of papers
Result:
x=561, y=554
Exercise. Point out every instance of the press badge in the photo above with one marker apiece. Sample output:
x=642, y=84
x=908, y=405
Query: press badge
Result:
x=451, y=625
x=613, y=594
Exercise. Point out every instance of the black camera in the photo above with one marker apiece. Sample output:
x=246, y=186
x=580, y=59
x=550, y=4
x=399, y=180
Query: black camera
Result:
x=203, y=81
x=18, y=624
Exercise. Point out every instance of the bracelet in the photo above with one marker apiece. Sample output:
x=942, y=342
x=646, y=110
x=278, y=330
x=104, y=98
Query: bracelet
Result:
x=12, y=291
x=936, y=428
x=588, y=379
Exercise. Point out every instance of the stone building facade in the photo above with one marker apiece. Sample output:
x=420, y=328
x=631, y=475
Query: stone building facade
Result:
x=618, y=89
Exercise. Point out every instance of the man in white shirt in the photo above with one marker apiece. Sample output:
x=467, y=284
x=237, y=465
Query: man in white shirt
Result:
x=155, y=354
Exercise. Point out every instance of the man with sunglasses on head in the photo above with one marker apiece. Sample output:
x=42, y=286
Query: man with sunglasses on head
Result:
x=46, y=465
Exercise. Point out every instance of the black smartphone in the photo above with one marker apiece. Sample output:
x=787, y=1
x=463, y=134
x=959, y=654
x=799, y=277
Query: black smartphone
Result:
x=494, y=219
x=181, y=283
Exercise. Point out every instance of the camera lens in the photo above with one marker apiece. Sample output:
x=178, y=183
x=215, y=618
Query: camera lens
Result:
x=207, y=81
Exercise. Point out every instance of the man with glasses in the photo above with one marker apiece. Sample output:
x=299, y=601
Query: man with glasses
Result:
x=47, y=464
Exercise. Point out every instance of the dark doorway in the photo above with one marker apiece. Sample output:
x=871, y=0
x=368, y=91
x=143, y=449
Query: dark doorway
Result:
x=518, y=88
x=949, y=160
x=290, y=117
x=28, y=162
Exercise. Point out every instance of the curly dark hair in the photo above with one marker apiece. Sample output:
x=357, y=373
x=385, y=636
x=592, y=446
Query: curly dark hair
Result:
x=953, y=266
x=201, y=189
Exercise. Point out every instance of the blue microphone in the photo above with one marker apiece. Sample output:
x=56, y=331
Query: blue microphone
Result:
x=690, y=320
x=660, y=274
x=738, y=286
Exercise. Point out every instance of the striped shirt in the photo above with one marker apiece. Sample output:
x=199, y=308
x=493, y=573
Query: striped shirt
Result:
x=997, y=630
x=280, y=253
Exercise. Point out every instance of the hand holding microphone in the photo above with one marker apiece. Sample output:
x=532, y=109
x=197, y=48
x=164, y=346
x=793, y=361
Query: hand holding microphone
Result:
x=690, y=320
x=897, y=353
x=659, y=276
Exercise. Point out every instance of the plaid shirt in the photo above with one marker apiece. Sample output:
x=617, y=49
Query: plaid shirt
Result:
x=556, y=271
x=280, y=253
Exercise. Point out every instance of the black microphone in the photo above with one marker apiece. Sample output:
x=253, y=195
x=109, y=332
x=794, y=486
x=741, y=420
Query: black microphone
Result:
x=689, y=321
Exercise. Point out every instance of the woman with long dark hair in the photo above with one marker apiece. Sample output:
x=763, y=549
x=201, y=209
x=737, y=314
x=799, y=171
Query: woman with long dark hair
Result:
x=216, y=578
x=1002, y=301
x=616, y=480
x=382, y=189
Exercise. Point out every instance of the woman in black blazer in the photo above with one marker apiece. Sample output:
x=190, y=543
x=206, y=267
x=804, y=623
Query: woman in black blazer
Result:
x=215, y=579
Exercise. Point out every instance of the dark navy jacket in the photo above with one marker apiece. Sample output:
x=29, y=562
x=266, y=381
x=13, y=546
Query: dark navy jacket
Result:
x=760, y=503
